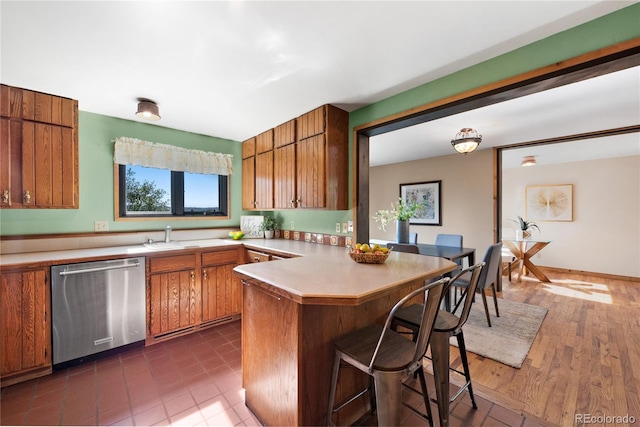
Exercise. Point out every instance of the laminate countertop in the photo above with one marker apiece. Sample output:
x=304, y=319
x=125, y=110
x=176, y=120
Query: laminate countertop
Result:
x=326, y=275
x=84, y=254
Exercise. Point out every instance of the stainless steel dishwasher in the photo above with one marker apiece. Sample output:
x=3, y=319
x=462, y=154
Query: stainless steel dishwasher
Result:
x=96, y=306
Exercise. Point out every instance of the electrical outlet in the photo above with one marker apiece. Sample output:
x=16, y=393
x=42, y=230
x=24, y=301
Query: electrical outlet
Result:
x=292, y=225
x=350, y=226
x=100, y=226
x=345, y=227
x=337, y=227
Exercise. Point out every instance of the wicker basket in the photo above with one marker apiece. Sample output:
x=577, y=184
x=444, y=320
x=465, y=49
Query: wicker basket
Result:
x=369, y=258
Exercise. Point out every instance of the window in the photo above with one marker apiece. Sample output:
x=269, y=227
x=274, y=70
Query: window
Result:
x=153, y=192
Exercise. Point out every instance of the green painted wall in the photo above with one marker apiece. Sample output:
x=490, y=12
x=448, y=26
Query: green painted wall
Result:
x=97, y=133
x=599, y=33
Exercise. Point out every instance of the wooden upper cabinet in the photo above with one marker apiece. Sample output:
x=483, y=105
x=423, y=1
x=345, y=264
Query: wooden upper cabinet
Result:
x=39, y=150
x=284, y=177
x=249, y=148
x=322, y=159
x=264, y=142
x=312, y=123
x=264, y=180
x=302, y=163
x=284, y=134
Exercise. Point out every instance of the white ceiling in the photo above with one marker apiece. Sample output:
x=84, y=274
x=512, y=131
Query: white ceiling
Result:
x=605, y=102
x=233, y=69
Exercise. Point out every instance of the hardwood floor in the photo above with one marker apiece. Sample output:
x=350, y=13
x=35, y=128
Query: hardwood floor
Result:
x=584, y=360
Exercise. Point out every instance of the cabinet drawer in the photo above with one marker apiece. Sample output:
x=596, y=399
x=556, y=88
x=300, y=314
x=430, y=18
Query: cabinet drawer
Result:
x=173, y=263
x=255, y=256
x=219, y=258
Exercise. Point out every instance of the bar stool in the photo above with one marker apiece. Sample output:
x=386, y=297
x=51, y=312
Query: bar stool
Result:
x=388, y=358
x=446, y=325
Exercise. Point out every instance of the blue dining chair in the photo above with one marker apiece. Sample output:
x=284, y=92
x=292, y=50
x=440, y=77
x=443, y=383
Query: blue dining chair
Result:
x=449, y=240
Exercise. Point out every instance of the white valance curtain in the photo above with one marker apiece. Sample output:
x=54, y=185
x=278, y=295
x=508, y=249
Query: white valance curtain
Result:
x=131, y=151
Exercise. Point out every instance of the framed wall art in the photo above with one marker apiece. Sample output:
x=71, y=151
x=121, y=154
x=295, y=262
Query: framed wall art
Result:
x=550, y=202
x=428, y=195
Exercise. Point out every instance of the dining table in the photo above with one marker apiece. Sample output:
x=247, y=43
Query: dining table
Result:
x=452, y=253
x=524, y=250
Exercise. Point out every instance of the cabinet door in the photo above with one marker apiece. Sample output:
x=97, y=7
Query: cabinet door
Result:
x=249, y=183
x=284, y=177
x=311, y=172
x=264, y=180
x=221, y=292
x=173, y=300
x=11, y=163
x=48, y=162
x=284, y=134
x=24, y=322
x=312, y=123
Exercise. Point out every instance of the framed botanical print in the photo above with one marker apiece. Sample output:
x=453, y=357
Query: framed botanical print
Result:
x=550, y=202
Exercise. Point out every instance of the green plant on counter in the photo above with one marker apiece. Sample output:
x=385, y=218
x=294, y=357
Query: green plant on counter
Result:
x=268, y=223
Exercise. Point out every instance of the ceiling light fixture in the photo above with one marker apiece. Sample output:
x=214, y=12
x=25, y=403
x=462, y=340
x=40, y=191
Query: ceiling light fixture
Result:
x=466, y=140
x=528, y=161
x=147, y=110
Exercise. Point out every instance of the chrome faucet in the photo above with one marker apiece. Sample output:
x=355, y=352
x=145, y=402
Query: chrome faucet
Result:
x=167, y=234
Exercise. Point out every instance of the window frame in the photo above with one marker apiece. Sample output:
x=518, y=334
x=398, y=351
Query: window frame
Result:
x=177, y=194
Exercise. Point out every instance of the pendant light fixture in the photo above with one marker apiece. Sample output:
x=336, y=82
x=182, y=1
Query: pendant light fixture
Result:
x=466, y=140
x=147, y=110
x=528, y=161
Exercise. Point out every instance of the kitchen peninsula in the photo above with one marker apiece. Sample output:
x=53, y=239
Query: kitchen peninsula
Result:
x=294, y=309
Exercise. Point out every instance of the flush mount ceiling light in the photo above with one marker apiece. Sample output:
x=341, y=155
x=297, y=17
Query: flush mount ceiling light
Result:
x=466, y=140
x=528, y=161
x=147, y=110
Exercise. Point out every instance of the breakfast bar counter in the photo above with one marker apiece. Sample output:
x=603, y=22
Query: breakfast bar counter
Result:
x=293, y=310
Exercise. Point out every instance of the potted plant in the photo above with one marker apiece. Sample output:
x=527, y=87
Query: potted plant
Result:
x=269, y=226
x=401, y=212
x=525, y=226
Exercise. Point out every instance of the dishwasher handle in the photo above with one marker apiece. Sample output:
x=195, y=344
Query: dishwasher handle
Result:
x=93, y=269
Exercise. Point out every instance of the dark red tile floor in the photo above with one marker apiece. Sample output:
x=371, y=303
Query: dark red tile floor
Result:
x=194, y=380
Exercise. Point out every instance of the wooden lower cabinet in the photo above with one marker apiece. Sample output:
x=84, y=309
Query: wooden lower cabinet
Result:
x=192, y=291
x=25, y=325
x=221, y=288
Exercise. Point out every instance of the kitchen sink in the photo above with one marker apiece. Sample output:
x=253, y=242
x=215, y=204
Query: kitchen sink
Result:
x=163, y=245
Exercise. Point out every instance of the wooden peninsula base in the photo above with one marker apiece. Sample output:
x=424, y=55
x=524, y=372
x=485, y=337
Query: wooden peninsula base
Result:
x=288, y=331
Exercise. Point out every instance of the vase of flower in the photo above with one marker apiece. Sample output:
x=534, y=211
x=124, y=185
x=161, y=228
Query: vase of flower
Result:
x=402, y=231
x=401, y=212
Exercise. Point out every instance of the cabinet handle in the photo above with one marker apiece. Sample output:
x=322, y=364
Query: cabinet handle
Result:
x=193, y=276
x=204, y=274
x=27, y=197
x=5, y=196
x=298, y=202
x=256, y=259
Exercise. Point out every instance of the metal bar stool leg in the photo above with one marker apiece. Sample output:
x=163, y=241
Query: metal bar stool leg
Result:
x=388, y=397
x=465, y=366
x=440, y=358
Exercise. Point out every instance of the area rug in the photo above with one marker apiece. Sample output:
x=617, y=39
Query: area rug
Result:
x=510, y=336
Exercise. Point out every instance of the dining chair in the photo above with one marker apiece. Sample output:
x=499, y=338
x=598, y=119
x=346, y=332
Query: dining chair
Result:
x=507, y=258
x=447, y=325
x=449, y=240
x=389, y=358
x=403, y=247
x=488, y=278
